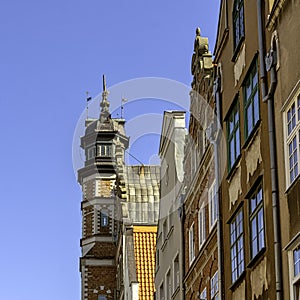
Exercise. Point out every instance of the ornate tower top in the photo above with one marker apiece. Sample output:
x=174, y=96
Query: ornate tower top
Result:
x=104, y=114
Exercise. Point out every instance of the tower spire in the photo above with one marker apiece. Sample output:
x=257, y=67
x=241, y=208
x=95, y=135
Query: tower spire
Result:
x=104, y=103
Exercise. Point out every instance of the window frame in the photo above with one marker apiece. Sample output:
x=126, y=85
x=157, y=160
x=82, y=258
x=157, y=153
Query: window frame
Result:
x=203, y=295
x=212, y=205
x=249, y=100
x=104, y=150
x=234, y=134
x=292, y=136
x=161, y=291
x=104, y=216
x=294, y=278
x=254, y=215
x=176, y=273
x=237, y=272
x=168, y=285
x=202, y=225
x=91, y=152
x=191, y=244
x=236, y=16
x=214, y=286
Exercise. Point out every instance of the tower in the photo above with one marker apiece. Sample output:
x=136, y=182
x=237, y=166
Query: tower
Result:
x=104, y=144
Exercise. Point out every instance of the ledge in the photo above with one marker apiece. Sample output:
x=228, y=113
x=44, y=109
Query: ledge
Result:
x=257, y=258
x=237, y=49
x=252, y=135
x=238, y=281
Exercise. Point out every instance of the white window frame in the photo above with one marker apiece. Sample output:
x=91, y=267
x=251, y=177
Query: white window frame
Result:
x=202, y=225
x=289, y=137
x=191, y=244
x=213, y=205
x=294, y=278
x=105, y=150
x=203, y=295
x=214, y=287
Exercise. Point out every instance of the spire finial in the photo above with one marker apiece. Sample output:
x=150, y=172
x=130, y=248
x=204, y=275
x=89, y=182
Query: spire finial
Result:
x=104, y=83
x=104, y=103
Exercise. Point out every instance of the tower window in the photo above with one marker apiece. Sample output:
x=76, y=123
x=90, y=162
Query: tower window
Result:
x=104, y=150
x=103, y=219
x=91, y=153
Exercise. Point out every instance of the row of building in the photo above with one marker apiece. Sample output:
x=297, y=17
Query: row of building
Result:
x=220, y=218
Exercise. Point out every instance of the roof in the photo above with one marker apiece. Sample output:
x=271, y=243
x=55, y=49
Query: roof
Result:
x=141, y=187
x=144, y=250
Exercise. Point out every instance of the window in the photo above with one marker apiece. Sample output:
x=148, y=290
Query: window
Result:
x=104, y=150
x=293, y=139
x=102, y=297
x=213, y=204
x=257, y=222
x=233, y=135
x=237, y=246
x=238, y=22
x=176, y=272
x=91, y=153
x=161, y=292
x=191, y=244
x=296, y=255
x=169, y=285
x=294, y=259
x=201, y=224
x=165, y=229
x=103, y=219
x=157, y=258
x=214, y=287
x=251, y=100
x=203, y=295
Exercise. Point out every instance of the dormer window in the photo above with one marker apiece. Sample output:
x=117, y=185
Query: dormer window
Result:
x=104, y=150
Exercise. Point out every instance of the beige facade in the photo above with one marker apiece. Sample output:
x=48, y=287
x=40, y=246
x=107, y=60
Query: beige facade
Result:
x=169, y=271
x=283, y=25
x=257, y=222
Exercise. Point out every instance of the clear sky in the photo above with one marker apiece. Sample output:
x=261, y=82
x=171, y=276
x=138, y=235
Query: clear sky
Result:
x=51, y=53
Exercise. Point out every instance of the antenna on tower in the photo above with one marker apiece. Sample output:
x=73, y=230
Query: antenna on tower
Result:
x=123, y=100
x=104, y=83
x=88, y=98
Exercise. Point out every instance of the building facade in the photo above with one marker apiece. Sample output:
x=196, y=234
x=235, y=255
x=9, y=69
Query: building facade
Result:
x=201, y=253
x=104, y=143
x=138, y=197
x=251, y=203
x=119, y=214
x=169, y=244
x=283, y=67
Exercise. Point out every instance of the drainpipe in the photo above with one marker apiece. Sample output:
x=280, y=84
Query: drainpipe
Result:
x=262, y=71
x=182, y=220
x=217, y=87
x=269, y=98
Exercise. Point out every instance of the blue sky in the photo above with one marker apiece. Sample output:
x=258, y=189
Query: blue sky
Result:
x=51, y=53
